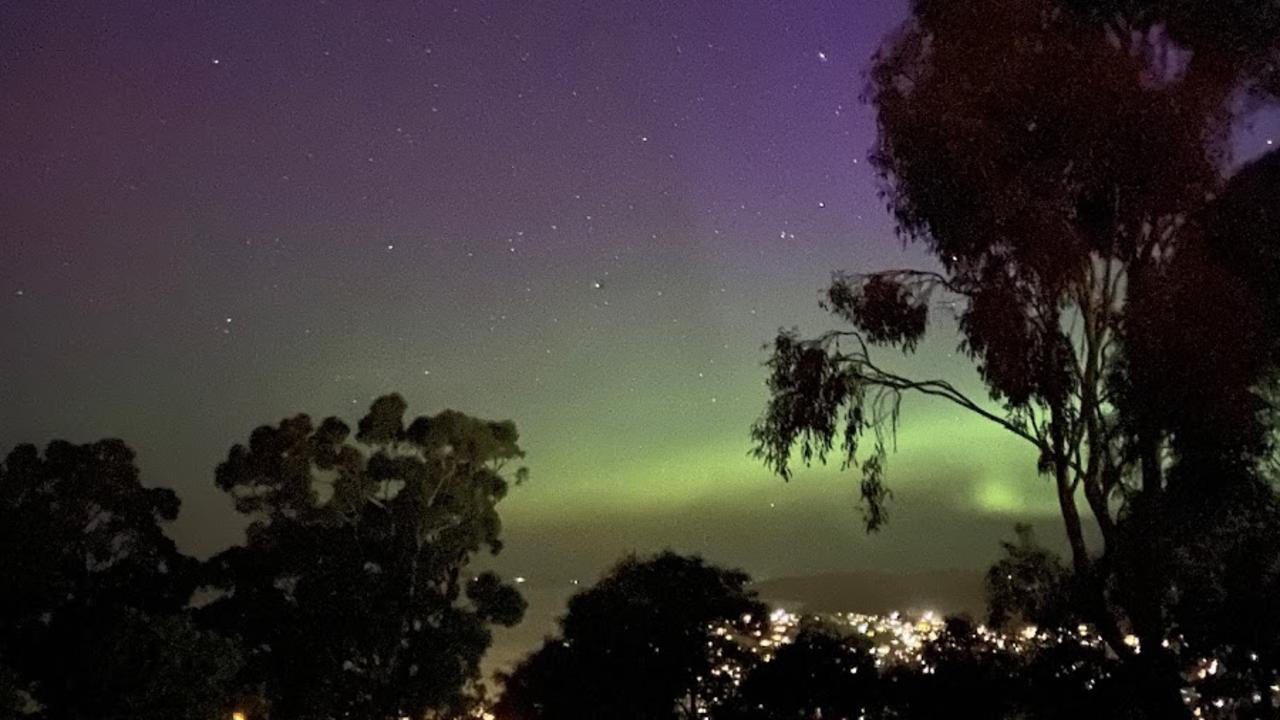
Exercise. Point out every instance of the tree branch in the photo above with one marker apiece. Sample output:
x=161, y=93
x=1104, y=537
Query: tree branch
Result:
x=935, y=388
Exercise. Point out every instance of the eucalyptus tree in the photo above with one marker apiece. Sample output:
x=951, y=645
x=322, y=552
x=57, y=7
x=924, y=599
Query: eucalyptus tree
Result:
x=352, y=594
x=1068, y=167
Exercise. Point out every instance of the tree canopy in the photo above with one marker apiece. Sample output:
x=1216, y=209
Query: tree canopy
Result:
x=823, y=672
x=79, y=530
x=83, y=550
x=145, y=667
x=641, y=644
x=1068, y=166
x=351, y=591
x=1029, y=585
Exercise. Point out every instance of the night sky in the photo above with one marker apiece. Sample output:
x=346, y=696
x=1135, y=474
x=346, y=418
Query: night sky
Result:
x=585, y=217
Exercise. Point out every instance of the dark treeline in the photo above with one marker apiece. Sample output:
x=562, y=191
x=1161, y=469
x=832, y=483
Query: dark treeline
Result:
x=670, y=637
x=348, y=599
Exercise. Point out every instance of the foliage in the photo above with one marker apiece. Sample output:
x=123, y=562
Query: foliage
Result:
x=1225, y=565
x=350, y=594
x=78, y=529
x=965, y=678
x=1236, y=39
x=1066, y=164
x=80, y=541
x=639, y=644
x=821, y=673
x=1029, y=585
x=129, y=665
x=14, y=693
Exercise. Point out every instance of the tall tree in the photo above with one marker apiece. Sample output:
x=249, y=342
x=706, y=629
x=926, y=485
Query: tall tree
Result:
x=642, y=644
x=349, y=592
x=81, y=540
x=1055, y=158
x=78, y=529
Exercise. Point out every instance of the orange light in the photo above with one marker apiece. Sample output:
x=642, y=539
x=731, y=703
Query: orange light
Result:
x=237, y=715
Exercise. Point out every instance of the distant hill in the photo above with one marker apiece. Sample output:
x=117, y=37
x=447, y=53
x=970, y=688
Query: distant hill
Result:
x=943, y=591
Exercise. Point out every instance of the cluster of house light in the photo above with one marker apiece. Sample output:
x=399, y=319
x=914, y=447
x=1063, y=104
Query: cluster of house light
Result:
x=899, y=640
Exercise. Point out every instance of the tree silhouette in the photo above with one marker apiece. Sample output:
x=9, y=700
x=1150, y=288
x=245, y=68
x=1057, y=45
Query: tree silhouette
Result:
x=78, y=529
x=1055, y=159
x=349, y=592
x=81, y=541
x=962, y=677
x=130, y=665
x=822, y=673
x=1029, y=585
x=642, y=644
x=1075, y=678
x=1234, y=41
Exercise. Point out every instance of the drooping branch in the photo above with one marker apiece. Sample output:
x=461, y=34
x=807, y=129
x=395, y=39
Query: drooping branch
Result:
x=819, y=389
x=875, y=375
x=926, y=278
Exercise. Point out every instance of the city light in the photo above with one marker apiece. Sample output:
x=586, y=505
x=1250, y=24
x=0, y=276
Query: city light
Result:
x=902, y=640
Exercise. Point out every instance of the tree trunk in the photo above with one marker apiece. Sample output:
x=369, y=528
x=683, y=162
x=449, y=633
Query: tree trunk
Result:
x=1066, y=494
